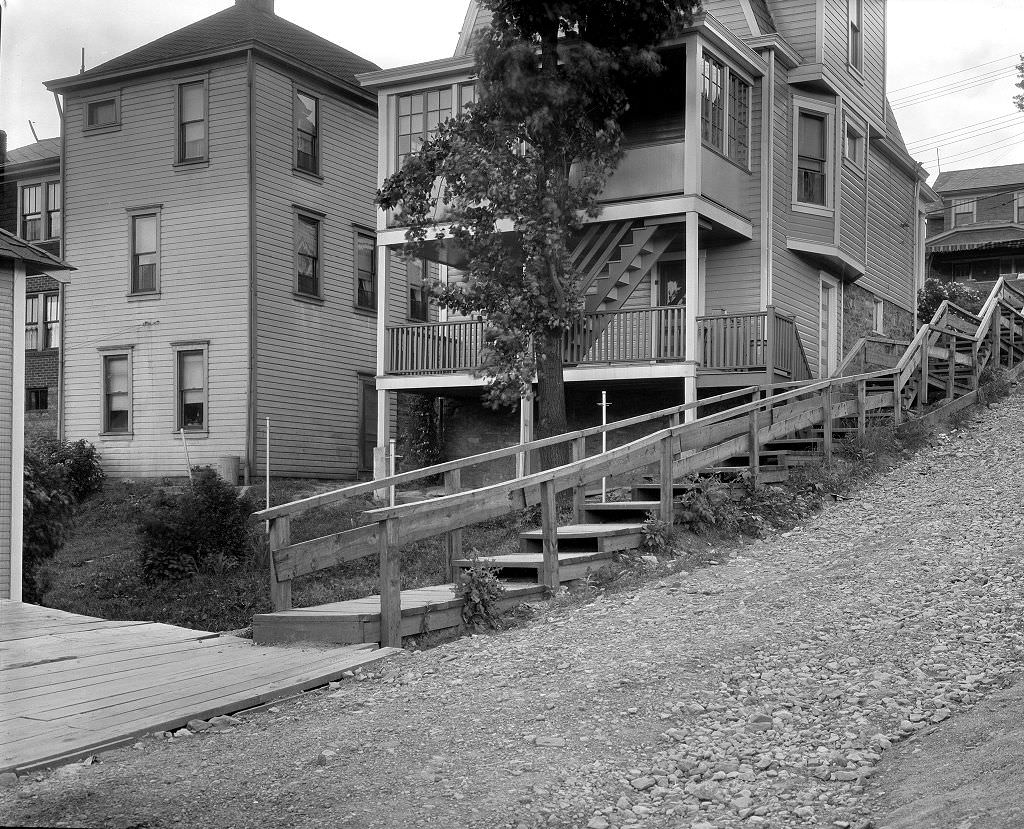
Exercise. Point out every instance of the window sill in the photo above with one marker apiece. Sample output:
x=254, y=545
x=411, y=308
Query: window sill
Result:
x=813, y=209
x=101, y=129
x=315, y=177
x=857, y=74
x=364, y=311
x=198, y=434
x=149, y=295
x=191, y=164
x=116, y=435
x=310, y=299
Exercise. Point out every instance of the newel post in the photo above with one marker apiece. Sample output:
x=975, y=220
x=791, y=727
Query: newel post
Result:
x=754, y=447
x=862, y=407
x=922, y=393
x=826, y=423
x=897, y=399
x=665, y=479
x=280, y=537
x=770, y=327
x=452, y=485
x=579, y=492
x=549, y=532
x=390, y=584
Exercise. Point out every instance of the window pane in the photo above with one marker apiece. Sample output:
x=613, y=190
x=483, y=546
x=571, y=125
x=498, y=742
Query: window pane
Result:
x=99, y=113
x=811, y=137
x=305, y=112
x=191, y=389
x=30, y=198
x=365, y=272
x=404, y=105
x=31, y=309
x=306, y=241
x=192, y=103
x=145, y=234
x=307, y=249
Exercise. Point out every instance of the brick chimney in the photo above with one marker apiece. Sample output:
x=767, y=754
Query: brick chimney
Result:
x=265, y=6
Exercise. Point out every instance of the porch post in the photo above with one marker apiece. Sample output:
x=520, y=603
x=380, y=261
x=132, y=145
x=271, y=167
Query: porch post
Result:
x=692, y=301
x=380, y=460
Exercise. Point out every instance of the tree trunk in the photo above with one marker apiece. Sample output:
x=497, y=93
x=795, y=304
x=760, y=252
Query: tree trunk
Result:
x=551, y=418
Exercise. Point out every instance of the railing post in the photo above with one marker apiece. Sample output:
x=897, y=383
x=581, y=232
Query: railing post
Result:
x=280, y=537
x=754, y=447
x=770, y=329
x=549, y=531
x=452, y=485
x=951, y=369
x=994, y=333
x=975, y=364
x=826, y=423
x=897, y=399
x=922, y=393
x=579, y=492
x=862, y=407
x=665, y=479
x=390, y=584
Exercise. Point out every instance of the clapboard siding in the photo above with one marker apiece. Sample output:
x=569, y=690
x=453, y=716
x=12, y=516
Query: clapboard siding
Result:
x=867, y=88
x=729, y=13
x=6, y=422
x=852, y=206
x=796, y=21
x=310, y=355
x=891, y=223
x=203, y=270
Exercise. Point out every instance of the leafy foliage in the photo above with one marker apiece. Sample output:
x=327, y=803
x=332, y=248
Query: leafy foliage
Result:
x=205, y=527
x=48, y=508
x=421, y=444
x=80, y=461
x=480, y=589
x=531, y=154
x=931, y=296
x=1018, y=100
x=657, y=536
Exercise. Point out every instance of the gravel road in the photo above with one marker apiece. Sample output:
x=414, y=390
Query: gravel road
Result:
x=812, y=680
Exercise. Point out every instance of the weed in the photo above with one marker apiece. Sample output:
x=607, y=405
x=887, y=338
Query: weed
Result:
x=994, y=384
x=480, y=589
x=657, y=536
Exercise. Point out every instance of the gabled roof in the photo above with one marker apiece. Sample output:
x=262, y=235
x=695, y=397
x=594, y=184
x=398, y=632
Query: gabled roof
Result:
x=980, y=178
x=36, y=259
x=763, y=15
x=239, y=27
x=45, y=150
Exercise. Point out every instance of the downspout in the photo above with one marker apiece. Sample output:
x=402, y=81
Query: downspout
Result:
x=916, y=256
x=767, y=177
x=250, y=390
x=62, y=289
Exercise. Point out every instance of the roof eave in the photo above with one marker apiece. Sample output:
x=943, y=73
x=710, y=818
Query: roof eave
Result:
x=416, y=72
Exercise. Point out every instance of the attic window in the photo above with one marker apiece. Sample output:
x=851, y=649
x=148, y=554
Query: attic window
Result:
x=103, y=112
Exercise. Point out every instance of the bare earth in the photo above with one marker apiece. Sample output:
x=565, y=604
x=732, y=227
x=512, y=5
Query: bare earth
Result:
x=853, y=672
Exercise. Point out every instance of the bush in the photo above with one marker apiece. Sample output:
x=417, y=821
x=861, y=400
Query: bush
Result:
x=48, y=507
x=930, y=297
x=79, y=460
x=205, y=527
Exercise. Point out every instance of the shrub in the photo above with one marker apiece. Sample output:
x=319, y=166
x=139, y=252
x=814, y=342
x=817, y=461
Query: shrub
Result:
x=930, y=297
x=48, y=508
x=205, y=527
x=79, y=460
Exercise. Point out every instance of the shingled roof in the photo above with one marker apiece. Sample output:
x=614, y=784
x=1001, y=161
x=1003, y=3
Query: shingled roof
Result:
x=245, y=24
x=980, y=178
x=36, y=259
x=44, y=150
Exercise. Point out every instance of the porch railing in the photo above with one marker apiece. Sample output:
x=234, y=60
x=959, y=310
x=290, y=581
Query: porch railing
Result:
x=755, y=341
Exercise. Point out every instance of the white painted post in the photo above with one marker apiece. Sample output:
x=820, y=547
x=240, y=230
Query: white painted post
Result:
x=267, y=459
x=188, y=461
x=392, y=457
x=604, y=404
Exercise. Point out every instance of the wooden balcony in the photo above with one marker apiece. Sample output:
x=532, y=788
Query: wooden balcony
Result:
x=762, y=342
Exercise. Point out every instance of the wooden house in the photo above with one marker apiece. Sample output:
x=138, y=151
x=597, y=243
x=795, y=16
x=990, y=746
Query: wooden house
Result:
x=218, y=199
x=19, y=262
x=30, y=207
x=976, y=235
x=765, y=217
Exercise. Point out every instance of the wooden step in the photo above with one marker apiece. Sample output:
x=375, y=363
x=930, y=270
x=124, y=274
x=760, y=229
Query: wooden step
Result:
x=575, y=538
x=766, y=475
x=652, y=492
x=571, y=566
x=615, y=512
x=358, y=620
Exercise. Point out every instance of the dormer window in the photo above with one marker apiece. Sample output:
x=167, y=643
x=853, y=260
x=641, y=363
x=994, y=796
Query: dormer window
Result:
x=856, y=42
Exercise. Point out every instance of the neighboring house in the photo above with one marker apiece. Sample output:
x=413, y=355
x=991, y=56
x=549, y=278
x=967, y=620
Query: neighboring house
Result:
x=30, y=207
x=978, y=234
x=219, y=187
x=19, y=262
x=766, y=215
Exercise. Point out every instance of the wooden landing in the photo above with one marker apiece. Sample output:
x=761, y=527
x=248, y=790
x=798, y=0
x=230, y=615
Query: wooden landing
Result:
x=72, y=685
x=424, y=609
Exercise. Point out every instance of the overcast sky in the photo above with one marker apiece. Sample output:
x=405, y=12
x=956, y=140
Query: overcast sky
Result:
x=929, y=41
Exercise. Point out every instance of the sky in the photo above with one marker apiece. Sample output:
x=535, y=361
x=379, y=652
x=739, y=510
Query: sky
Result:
x=939, y=50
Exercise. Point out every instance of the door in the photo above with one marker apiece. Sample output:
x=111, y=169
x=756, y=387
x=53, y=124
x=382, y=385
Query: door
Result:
x=367, y=422
x=668, y=330
x=828, y=327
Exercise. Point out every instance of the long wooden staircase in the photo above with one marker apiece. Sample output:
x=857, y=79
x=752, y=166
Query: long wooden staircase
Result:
x=765, y=428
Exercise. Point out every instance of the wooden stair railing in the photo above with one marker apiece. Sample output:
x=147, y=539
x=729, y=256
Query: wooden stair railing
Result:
x=774, y=412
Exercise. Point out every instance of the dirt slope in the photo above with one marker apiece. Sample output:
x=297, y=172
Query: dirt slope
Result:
x=790, y=687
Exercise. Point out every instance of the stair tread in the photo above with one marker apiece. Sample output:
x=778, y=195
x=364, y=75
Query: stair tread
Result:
x=586, y=530
x=531, y=559
x=616, y=506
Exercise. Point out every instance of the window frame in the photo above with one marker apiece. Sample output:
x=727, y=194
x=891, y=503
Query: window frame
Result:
x=729, y=135
x=1018, y=207
x=179, y=349
x=955, y=203
x=46, y=209
x=359, y=232
x=179, y=136
x=707, y=104
x=859, y=161
x=855, y=35
x=821, y=110
x=731, y=119
x=135, y=214
x=300, y=216
x=87, y=104
x=424, y=271
x=452, y=90
x=296, y=167
x=364, y=459
x=45, y=321
x=34, y=395
x=112, y=353
x=878, y=315
x=32, y=305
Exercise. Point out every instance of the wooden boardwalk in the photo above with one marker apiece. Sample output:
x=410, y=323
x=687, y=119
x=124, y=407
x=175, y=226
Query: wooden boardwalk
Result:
x=71, y=685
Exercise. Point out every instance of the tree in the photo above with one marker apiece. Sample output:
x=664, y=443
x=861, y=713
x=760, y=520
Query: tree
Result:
x=1019, y=99
x=519, y=171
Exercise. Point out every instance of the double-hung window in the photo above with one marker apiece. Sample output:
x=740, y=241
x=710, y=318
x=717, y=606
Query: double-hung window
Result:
x=32, y=322
x=1018, y=208
x=419, y=116
x=963, y=212
x=855, y=54
x=192, y=127
x=306, y=112
x=418, y=289
x=365, y=271
x=145, y=253
x=307, y=255
x=39, y=208
x=117, y=393
x=190, y=387
x=51, y=321
x=712, y=104
x=812, y=158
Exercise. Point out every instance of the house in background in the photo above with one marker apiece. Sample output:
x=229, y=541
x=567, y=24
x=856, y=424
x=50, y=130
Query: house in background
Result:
x=977, y=235
x=30, y=207
x=219, y=187
x=19, y=262
x=765, y=217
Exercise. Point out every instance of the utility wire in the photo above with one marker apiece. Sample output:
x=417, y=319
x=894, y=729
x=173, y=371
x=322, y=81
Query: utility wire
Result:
x=991, y=123
x=932, y=95
x=974, y=136
x=984, y=149
x=1014, y=56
